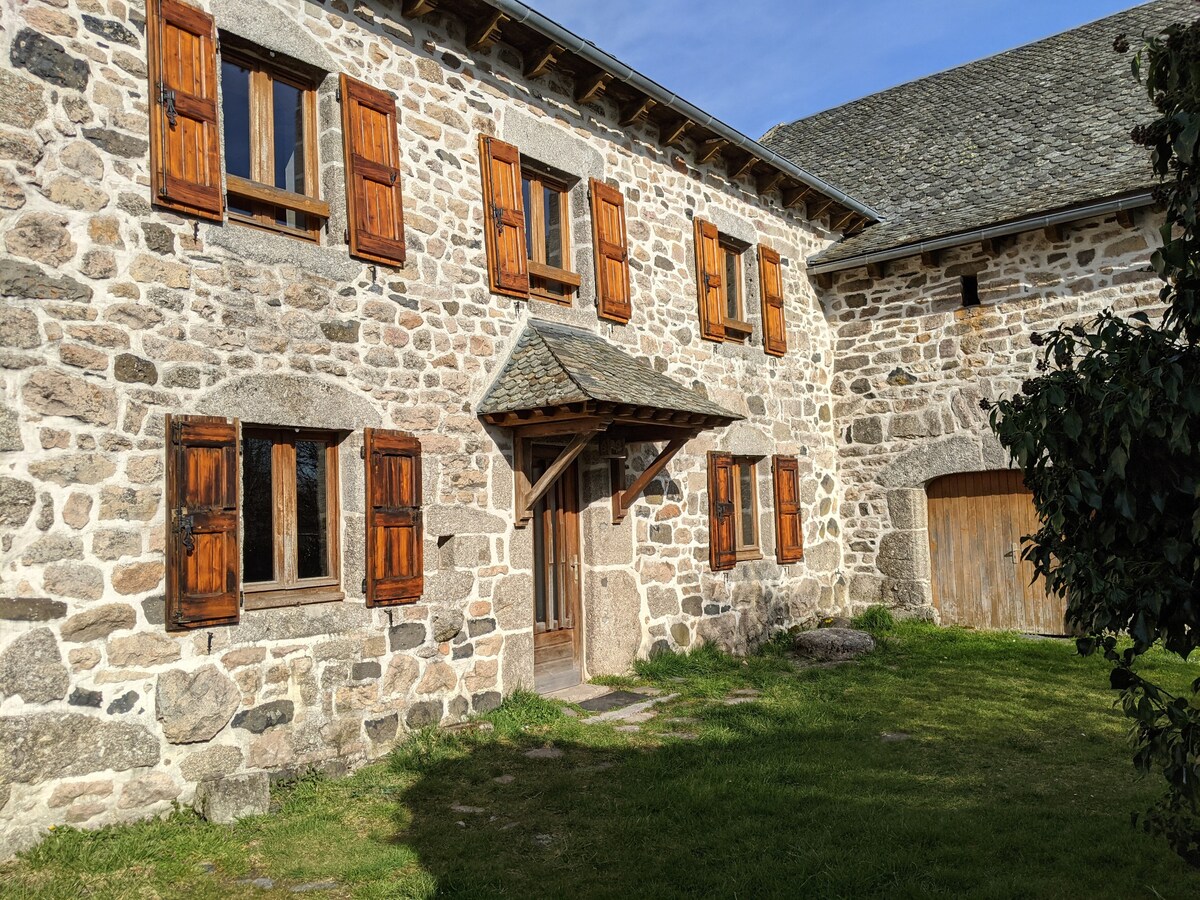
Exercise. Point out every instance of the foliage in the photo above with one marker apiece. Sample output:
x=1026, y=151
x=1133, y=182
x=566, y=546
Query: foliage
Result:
x=1109, y=441
x=877, y=619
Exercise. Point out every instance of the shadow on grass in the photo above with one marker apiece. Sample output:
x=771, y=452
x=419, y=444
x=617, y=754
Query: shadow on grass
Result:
x=797, y=794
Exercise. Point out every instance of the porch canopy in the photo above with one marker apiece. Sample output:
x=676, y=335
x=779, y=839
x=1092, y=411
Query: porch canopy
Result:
x=565, y=382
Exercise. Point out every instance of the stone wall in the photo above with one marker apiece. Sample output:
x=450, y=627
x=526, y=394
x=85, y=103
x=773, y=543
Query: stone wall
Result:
x=912, y=365
x=116, y=313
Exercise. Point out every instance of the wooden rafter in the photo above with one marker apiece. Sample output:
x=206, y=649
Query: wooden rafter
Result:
x=671, y=135
x=1125, y=218
x=931, y=258
x=824, y=280
x=877, y=269
x=1055, y=234
x=636, y=111
x=623, y=497
x=741, y=166
x=794, y=196
x=414, y=9
x=818, y=208
x=539, y=62
x=710, y=149
x=843, y=221
x=590, y=88
x=486, y=31
x=767, y=183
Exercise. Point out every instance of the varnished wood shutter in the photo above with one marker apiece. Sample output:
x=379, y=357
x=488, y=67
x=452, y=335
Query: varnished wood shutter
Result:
x=708, y=281
x=504, y=217
x=185, y=145
x=395, y=545
x=789, y=528
x=203, y=562
x=770, y=278
x=374, y=202
x=612, y=252
x=722, y=547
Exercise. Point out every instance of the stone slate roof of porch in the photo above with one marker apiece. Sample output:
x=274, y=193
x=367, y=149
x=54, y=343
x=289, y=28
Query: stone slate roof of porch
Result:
x=1039, y=128
x=553, y=365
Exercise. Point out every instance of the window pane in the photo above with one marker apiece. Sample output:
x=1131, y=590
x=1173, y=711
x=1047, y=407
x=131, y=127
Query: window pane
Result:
x=732, y=281
x=258, y=511
x=312, y=531
x=552, y=205
x=235, y=107
x=288, y=104
x=526, y=198
x=749, y=535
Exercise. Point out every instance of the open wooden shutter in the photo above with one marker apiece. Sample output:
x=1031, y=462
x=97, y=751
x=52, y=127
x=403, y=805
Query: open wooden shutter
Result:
x=722, y=547
x=504, y=217
x=789, y=528
x=203, y=562
x=374, y=203
x=770, y=278
x=395, y=546
x=185, y=146
x=612, y=252
x=708, y=281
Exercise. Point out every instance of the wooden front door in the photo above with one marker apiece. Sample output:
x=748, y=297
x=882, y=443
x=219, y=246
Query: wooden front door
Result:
x=556, y=627
x=976, y=521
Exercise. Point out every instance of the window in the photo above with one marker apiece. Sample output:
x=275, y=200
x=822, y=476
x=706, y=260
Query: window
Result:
x=289, y=516
x=970, y=290
x=736, y=328
x=745, y=509
x=547, y=236
x=270, y=134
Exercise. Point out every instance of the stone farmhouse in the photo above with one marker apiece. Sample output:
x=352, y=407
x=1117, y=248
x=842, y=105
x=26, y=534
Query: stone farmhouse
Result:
x=367, y=360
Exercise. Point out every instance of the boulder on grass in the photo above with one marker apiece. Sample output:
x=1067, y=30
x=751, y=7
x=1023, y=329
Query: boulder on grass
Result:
x=832, y=644
x=225, y=800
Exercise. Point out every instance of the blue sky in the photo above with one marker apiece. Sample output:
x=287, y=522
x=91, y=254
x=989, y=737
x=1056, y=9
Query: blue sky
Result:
x=754, y=63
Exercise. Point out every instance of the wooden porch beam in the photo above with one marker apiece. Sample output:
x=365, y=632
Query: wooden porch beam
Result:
x=486, y=31
x=528, y=495
x=539, y=63
x=623, y=499
x=563, y=426
x=592, y=87
x=636, y=111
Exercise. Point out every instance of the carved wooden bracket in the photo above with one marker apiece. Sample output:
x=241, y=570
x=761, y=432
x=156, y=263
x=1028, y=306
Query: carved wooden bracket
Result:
x=528, y=493
x=623, y=498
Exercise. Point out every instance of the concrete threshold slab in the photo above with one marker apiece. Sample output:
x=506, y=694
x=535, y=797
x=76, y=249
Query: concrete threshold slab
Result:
x=638, y=712
x=577, y=693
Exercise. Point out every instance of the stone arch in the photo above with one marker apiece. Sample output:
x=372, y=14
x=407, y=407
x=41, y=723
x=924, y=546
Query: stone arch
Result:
x=290, y=400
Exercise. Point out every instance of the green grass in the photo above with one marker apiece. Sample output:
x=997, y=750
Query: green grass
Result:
x=1014, y=782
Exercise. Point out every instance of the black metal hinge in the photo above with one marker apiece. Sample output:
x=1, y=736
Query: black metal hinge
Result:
x=364, y=586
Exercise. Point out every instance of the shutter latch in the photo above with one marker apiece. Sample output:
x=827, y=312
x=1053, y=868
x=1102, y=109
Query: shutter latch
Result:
x=182, y=522
x=168, y=101
x=498, y=214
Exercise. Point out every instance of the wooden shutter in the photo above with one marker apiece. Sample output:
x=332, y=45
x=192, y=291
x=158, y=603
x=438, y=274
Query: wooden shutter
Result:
x=185, y=146
x=203, y=562
x=612, y=252
x=770, y=279
x=395, y=546
x=504, y=217
x=722, y=547
x=374, y=203
x=789, y=528
x=708, y=281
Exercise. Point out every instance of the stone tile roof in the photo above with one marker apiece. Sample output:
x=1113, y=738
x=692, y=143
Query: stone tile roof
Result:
x=1039, y=128
x=553, y=365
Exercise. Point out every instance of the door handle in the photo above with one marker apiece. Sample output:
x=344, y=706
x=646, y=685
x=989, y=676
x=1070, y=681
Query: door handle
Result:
x=1014, y=554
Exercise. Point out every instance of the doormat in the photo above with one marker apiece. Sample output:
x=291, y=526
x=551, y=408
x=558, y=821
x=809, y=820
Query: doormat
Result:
x=610, y=701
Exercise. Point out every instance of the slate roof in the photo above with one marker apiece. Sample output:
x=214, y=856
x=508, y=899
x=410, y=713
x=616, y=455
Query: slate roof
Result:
x=1043, y=127
x=555, y=364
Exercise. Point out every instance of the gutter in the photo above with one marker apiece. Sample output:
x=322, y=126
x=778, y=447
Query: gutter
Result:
x=1029, y=223
x=519, y=12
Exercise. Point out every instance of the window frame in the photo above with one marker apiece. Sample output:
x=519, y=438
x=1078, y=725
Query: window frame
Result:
x=259, y=192
x=737, y=329
x=287, y=589
x=742, y=550
x=542, y=275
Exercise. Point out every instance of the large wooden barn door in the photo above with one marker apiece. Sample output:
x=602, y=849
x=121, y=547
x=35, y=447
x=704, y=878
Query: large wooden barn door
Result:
x=976, y=520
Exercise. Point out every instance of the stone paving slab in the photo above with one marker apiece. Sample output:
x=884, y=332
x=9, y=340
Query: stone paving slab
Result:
x=577, y=693
x=635, y=713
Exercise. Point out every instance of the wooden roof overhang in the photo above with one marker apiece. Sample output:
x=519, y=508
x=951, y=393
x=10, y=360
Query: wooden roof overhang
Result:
x=585, y=421
x=706, y=139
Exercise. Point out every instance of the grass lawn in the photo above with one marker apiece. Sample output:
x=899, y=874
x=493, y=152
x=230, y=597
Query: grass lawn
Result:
x=1014, y=781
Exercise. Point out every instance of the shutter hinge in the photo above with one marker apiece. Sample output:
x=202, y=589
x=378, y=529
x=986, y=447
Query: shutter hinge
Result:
x=362, y=452
x=338, y=94
x=176, y=432
x=364, y=586
x=346, y=236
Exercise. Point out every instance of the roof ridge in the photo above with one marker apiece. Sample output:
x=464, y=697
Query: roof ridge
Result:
x=533, y=324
